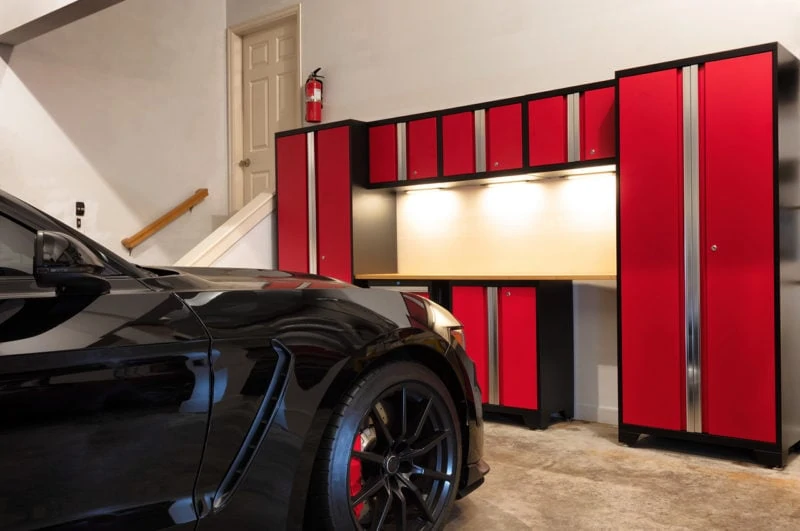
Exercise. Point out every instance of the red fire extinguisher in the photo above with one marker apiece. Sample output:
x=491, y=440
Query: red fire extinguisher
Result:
x=314, y=97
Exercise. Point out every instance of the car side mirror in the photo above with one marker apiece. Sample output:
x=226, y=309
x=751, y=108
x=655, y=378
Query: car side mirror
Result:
x=63, y=262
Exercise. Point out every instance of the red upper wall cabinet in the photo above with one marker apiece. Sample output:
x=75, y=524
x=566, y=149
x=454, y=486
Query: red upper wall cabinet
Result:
x=334, y=231
x=292, y=186
x=547, y=131
x=422, y=149
x=598, y=130
x=383, y=153
x=458, y=143
x=504, y=137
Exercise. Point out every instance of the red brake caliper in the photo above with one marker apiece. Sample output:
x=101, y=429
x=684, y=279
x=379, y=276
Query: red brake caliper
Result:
x=355, y=475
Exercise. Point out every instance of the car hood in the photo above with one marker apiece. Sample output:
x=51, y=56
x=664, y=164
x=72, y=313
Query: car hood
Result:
x=228, y=278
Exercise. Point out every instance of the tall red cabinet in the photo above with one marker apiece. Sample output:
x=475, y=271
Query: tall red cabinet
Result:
x=320, y=173
x=707, y=245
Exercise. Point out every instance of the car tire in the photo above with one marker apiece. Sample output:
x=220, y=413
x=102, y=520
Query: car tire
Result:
x=384, y=466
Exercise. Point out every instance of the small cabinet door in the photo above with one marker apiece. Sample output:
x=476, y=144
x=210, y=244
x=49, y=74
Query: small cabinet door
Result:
x=517, y=352
x=292, y=186
x=469, y=307
x=547, y=131
x=421, y=145
x=333, y=204
x=504, y=137
x=383, y=153
x=598, y=130
x=458, y=143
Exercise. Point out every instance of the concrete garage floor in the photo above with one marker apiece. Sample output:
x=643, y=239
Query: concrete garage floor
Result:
x=576, y=475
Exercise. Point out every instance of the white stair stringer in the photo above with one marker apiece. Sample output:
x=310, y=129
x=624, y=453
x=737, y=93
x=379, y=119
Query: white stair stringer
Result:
x=214, y=247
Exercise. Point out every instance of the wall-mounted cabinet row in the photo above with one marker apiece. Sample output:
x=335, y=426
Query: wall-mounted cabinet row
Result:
x=525, y=133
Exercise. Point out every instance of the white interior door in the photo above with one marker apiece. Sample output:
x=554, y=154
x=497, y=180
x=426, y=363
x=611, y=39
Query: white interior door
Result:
x=270, y=101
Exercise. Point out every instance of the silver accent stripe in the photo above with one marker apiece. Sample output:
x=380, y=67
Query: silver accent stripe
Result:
x=494, y=369
x=402, y=172
x=691, y=230
x=573, y=127
x=480, y=140
x=312, y=202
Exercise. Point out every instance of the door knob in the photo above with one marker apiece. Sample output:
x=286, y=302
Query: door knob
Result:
x=244, y=163
x=714, y=248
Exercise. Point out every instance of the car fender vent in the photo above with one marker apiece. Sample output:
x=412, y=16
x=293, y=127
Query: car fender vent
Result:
x=258, y=429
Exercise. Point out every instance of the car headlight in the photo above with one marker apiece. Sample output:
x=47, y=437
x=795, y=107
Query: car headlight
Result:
x=445, y=324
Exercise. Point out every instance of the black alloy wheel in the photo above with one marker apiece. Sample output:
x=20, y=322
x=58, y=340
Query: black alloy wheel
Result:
x=394, y=456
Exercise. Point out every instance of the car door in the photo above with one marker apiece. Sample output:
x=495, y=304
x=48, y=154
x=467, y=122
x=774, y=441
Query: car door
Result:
x=103, y=401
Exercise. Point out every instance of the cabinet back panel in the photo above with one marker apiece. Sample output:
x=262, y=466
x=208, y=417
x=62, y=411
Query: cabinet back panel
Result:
x=555, y=227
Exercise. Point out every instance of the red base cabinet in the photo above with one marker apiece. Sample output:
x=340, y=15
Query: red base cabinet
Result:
x=315, y=172
x=520, y=338
x=702, y=247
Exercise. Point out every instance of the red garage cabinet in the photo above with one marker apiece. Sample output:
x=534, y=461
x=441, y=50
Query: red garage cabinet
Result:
x=504, y=137
x=517, y=347
x=315, y=170
x=334, y=223
x=291, y=168
x=701, y=346
x=423, y=152
x=520, y=338
x=470, y=307
x=598, y=130
x=547, y=126
x=383, y=153
x=458, y=143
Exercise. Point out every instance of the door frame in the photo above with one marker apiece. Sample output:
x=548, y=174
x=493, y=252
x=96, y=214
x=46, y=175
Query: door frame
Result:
x=235, y=37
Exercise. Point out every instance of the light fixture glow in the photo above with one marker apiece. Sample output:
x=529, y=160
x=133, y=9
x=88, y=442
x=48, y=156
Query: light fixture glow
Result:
x=424, y=189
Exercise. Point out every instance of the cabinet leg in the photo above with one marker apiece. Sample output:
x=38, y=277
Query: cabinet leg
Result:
x=628, y=438
x=769, y=459
x=534, y=421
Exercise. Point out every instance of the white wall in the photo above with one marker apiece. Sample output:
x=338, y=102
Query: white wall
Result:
x=385, y=58
x=254, y=249
x=125, y=110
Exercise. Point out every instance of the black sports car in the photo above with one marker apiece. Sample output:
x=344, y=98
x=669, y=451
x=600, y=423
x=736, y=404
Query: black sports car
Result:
x=147, y=398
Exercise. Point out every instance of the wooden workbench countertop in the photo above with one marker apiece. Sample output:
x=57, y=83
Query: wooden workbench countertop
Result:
x=405, y=276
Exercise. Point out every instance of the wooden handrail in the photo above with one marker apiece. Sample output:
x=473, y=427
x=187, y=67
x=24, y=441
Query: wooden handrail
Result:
x=166, y=219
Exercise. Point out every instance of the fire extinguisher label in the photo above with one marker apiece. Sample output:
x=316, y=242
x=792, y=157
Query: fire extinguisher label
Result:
x=317, y=96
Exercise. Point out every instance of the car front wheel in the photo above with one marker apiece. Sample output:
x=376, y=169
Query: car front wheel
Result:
x=390, y=457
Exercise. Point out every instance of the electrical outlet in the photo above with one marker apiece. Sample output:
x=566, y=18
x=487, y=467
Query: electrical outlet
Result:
x=80, y=208
x=78, y=222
